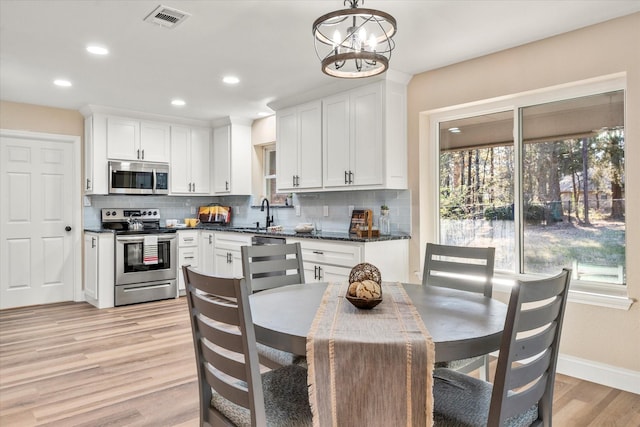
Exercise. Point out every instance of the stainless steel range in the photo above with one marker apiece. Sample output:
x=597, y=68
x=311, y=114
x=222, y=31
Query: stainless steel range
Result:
x=145, y=255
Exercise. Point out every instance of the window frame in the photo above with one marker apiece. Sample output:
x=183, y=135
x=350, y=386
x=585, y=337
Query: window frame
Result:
x=608, y=295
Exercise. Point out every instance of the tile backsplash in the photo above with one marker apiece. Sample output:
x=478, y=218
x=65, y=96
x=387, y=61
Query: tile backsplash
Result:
x=246, y=209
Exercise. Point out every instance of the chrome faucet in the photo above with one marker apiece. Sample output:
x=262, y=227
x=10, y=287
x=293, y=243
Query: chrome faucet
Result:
x=269, y=217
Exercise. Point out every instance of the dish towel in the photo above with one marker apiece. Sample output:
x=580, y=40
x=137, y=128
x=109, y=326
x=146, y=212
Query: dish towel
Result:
x=150, y=250
x=370, y=367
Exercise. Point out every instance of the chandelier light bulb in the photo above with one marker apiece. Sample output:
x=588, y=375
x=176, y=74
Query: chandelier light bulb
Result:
x=337, y=39
x=373, y=43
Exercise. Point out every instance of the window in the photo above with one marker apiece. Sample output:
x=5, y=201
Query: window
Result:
x=269, y=168
x=552, y=197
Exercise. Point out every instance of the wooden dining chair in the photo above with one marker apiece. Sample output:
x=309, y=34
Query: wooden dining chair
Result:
x=465, y=268
x=272, y=266
x=268, y=267
x=232, y=390
x=522, y=391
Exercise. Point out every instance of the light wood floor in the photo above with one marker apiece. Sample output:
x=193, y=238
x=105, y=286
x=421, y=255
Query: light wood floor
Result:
x=74, y=365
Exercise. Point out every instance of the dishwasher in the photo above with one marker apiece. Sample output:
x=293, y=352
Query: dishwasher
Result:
x=268, y=240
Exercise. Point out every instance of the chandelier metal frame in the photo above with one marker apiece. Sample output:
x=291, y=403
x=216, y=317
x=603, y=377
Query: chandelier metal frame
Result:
x=342, y=46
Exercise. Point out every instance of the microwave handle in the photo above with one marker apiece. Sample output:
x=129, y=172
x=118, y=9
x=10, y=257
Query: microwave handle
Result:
x=154, y=181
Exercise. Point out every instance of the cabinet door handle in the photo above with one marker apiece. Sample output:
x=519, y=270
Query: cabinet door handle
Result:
x=138, y=154
x=142, y=154
x=88, y=184
x=189, y=257
x=210, y=238
x=346, y=177
x=229, y=258
x=318, y=252
x=93, y=242
x=297, y=180
x=193, y=185
x=226, y=185
x=315, y=272
x=188, y=239
x=350, y=177
x=319, y=273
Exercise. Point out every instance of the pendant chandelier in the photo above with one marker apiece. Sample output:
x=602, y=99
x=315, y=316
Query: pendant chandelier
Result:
x=355, y=42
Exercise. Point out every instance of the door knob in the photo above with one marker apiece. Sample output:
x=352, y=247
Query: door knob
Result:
x=68, y=228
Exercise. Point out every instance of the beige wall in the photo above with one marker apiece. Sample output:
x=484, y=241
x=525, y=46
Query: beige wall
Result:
x=599, y=334
x=37, y=118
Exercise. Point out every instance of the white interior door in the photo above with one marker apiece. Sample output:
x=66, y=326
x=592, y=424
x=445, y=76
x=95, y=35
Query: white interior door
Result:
x=36, y=248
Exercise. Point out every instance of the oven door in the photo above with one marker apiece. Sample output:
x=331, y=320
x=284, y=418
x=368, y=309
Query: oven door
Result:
x=130, y=265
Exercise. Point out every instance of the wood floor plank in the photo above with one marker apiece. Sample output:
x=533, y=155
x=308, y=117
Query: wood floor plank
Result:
x=73, y=365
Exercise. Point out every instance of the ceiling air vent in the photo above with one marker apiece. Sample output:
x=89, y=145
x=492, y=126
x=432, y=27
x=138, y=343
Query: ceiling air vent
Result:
x=167, y=16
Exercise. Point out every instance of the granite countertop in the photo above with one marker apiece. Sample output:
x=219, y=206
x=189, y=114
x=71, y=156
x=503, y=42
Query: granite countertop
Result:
x=286, y=232
x=289, y=232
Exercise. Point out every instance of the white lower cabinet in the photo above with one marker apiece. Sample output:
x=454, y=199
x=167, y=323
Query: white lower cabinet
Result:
x=207, y=252
x=188, y=254
x=228, y=258
x=98, y=269
x=329, y=261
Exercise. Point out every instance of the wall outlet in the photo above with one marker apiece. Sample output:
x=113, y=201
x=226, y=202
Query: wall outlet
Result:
x=87, y=200
x=193, y=210
x=351, y=208
x=297, y=210
x=325, y=210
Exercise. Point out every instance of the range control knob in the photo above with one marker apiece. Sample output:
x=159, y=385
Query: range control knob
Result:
x=108, y=213
x=144, y=213
x=113, y=213
x=155, y=213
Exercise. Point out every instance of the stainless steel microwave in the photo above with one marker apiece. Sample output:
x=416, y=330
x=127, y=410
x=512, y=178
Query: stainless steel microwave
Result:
x=138, y=178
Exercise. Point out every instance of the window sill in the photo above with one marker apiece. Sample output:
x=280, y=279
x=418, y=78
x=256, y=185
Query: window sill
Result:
x=581, y=292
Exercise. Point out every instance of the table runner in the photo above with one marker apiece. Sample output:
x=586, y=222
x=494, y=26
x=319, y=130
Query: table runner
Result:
x=370, y=367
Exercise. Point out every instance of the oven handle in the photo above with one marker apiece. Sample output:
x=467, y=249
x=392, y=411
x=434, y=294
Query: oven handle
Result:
x=146, y=288
x=163, y=238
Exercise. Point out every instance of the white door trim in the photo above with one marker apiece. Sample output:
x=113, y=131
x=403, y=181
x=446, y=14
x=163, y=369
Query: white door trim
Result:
x=77, y=226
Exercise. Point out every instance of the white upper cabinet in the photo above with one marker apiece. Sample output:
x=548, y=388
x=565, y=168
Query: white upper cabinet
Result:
x=299, y=147
x=364, y=138
x=232, y=159
x=131, y=139
x=190, y=157
x=109, y=135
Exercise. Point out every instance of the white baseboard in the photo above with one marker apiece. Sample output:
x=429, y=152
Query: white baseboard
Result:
x=610, y=376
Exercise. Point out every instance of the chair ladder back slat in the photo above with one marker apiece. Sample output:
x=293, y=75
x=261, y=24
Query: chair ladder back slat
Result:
x=521, y=376
x=271, y=250
x=263, y=283
x=539, y=316
x=274, y=265
x=226, y=362
x=220, y=287
x=520, y=402
x=229, y=391
x=228, y=339
x=534, y=344
x=227, y=314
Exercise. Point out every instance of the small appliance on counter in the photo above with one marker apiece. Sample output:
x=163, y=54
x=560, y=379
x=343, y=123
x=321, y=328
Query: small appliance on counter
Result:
x=215, y=214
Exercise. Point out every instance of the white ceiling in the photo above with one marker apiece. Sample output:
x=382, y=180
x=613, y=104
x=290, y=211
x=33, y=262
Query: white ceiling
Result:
x=267, y=44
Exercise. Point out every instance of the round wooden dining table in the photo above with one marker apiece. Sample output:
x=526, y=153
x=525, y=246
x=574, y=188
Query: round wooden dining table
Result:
x=462, y=324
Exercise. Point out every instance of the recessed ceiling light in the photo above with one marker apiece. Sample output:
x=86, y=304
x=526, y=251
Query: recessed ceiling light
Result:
x=178, y=102
x=61, y=82
x=231, y=80
x=97, y=50
x=263, y=114
x=454, y=130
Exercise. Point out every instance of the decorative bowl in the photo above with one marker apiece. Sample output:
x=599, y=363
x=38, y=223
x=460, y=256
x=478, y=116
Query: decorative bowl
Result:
x=364, y=303
x=304, y=228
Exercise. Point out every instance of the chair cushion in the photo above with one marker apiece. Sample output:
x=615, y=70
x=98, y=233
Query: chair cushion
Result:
x=463, y=401
x=281, y=357
x=286, y=400
x=456, y=364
